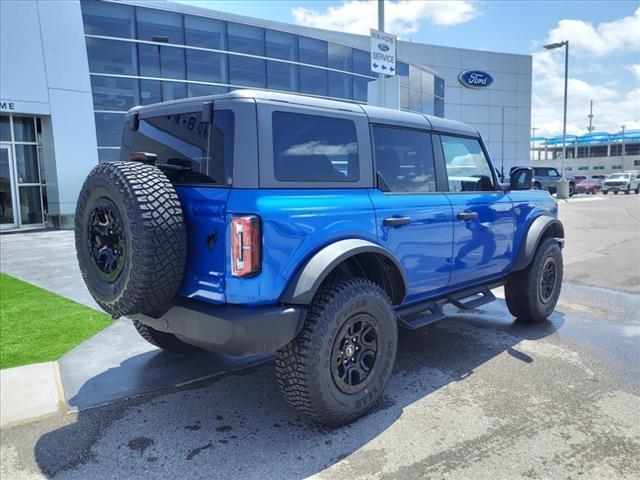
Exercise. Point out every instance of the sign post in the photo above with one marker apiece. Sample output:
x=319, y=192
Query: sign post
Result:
x=383, y=53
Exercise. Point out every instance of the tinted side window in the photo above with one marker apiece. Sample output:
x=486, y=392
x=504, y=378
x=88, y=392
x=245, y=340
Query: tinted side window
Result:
x=310, y=148
x=468, y=169
x=184, y=141
x=404, y=158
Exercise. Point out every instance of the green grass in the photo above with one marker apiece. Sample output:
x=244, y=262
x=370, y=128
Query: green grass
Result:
x=39, y=326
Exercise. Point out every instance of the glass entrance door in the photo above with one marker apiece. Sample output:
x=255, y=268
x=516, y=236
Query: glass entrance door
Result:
x=7, y=189
x=22, y=182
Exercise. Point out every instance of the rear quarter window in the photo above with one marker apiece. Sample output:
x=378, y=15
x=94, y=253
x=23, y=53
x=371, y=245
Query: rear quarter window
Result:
x=199, y=153
x=314, y=148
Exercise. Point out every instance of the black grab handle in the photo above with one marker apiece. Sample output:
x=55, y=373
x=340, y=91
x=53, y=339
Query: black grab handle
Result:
x=396, y=221
x=467, y=216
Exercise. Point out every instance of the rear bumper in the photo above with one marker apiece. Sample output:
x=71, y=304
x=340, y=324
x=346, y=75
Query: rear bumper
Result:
x=229, y=329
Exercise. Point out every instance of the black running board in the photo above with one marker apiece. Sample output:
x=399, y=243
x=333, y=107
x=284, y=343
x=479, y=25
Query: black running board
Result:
x=422, y=314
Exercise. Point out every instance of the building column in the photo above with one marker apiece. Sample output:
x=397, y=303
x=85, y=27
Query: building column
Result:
x=71, y=150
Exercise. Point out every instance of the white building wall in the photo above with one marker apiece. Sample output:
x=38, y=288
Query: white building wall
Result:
x=510, y=94
x=45, y=72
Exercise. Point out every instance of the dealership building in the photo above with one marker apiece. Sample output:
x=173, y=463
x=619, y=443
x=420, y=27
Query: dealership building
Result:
x=595, y=153
x=71, y=69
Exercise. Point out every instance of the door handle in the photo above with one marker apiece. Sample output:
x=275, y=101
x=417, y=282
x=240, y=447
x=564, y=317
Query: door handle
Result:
x=467, y=216
x=396, y=221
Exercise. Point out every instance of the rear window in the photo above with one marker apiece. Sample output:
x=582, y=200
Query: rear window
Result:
x=313, y=148
x=200, y=155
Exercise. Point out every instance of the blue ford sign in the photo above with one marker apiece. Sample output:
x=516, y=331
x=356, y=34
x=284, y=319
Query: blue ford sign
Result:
x=475, y=79
x=384, y=47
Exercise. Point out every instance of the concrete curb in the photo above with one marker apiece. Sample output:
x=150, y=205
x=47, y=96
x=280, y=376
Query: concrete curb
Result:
x=30, y=392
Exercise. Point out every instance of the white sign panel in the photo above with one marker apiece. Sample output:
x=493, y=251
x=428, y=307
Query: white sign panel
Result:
x=383, y=52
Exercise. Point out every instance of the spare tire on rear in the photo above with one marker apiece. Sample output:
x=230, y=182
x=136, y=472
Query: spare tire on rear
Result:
x=130, y=238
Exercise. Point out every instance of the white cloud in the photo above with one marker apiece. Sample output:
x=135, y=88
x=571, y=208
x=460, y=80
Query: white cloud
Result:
x=402, y=17
x=617, y=36
x=616, y=101
x=635, y=69
x=611, y=107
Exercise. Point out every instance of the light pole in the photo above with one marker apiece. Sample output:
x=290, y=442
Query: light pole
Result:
x=563, y=186
x=381, y=25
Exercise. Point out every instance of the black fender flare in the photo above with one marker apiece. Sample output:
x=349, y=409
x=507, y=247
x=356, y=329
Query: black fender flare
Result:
x=542, y=227
x=304, y=285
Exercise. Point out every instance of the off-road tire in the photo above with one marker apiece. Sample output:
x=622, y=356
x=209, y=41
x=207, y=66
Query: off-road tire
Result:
x=303, y=366
x=153, y=236
x=604, y=192
x=572, y=189
x=628, y=190
x=523, y=288
x=163, y=340
x=637, y=190
x=615, y=192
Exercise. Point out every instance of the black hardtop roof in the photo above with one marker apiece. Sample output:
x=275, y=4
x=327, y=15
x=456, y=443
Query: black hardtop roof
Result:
x=375, y=114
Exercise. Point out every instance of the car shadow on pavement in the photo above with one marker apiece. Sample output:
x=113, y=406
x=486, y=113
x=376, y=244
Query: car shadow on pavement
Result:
x=237, y=425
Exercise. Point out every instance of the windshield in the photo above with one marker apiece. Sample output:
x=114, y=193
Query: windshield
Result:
x=618, y=176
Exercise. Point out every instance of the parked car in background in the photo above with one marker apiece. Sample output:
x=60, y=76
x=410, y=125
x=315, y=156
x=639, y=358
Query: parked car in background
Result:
x=589, y=185
x=579, y=178
x=546, y=178
x=621, y=182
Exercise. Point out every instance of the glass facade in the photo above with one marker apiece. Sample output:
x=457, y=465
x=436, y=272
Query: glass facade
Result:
x=140, y=55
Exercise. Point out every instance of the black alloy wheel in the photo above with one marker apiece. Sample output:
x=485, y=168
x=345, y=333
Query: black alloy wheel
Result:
x=354, y=354
x=548, y=279
x=107, y=245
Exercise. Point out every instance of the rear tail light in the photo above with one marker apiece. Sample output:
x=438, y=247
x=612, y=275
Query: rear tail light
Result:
x=246, y=245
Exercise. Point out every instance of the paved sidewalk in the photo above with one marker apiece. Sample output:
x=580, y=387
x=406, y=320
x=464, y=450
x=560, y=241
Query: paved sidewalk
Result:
x=46, y=259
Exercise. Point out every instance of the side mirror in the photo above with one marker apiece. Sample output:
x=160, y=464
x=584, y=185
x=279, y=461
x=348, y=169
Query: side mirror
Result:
x=521, y=178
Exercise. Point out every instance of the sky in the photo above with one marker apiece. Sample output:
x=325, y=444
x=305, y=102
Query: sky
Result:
x=604, y=39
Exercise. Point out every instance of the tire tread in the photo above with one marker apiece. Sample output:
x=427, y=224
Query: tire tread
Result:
x=297, y=363
x=521, y=289
x=158, y=236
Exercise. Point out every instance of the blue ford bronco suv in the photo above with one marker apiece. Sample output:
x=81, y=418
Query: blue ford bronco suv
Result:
x=254, y=222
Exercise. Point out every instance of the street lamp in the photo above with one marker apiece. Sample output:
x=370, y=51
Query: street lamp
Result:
x=563, y=190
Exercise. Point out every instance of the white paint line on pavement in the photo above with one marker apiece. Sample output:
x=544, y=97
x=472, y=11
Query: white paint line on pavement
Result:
x=29, y=392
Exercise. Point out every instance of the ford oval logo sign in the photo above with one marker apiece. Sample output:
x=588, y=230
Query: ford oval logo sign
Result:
x=475, y=79
x=384, y=47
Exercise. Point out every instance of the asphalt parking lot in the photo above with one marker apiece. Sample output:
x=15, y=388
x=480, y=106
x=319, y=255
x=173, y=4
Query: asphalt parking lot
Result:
x=477, y=395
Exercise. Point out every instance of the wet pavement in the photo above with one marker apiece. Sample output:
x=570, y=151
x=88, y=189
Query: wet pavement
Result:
x=478, y=395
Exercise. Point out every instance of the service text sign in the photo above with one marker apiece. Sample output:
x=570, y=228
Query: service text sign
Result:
x=383, y=53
